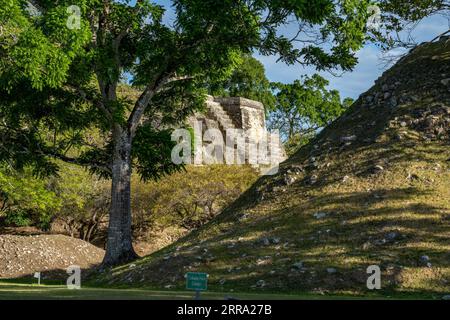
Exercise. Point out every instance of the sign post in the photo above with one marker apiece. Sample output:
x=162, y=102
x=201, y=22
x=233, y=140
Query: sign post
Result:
x=37, y=275
x=196, y=281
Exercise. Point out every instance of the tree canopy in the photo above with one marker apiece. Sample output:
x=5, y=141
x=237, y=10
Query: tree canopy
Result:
x=303, y=107
x=248, y=80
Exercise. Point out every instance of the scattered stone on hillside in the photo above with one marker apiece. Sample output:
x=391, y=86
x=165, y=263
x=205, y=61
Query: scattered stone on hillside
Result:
x=278, y=189
x=234, y=269
x=313, y=179
x=242, y=216
x=209, y=258
x=275, y=240
x=377, y=169
x=264, y=261
x=296, y=168
x=345, y=179
x=348, y=138
x=289, y=179
x=320, y=215
x=413, y=177
x=231, y=245
x=399, y=136
x=380, y=242
x=284, y=260
x=315, y=165
x=331, y=270
x=366, y=245
x=425, y=261
x=391, y=236
x=393, y=102
x=437, y=167
x=297, y=265
x=445, y=82
x=265, y=241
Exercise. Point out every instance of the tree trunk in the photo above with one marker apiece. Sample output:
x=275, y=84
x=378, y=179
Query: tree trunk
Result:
x=119, y=247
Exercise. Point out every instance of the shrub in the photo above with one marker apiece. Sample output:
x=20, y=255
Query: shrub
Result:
x=26, y=200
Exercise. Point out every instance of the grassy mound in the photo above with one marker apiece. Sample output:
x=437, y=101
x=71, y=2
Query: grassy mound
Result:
x=372, y=189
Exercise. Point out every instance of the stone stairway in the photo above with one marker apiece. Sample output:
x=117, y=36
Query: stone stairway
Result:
x=217, y=117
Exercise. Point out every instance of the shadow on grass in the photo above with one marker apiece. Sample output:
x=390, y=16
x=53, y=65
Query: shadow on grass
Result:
x=393, y=237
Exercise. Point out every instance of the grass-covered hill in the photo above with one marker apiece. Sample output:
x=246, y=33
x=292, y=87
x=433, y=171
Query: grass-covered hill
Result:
x=372, y=188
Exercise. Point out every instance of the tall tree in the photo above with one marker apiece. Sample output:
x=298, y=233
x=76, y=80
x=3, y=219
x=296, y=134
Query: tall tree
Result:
x=303, y=107
x=248, y=80
x=60, y=66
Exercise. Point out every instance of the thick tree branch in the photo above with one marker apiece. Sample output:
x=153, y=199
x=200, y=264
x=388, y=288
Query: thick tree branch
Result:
x=78, y=162
x=96, y=102
x=150, y=91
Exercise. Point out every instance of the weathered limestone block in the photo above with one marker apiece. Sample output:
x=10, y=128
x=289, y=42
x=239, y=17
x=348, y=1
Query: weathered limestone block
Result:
x=237, y=113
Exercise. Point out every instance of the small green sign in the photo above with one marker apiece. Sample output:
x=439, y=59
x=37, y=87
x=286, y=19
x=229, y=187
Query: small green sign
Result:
x=197, y=281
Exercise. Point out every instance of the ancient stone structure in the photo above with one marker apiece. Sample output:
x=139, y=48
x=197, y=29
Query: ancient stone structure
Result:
x=233, y=113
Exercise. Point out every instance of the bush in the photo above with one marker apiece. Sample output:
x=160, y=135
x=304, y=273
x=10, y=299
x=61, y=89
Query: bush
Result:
x=18, y=218
x=85, y=199
x=26, y=200
x=188, y=199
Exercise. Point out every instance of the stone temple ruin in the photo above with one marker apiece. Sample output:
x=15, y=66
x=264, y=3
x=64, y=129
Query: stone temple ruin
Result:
x=235, y=114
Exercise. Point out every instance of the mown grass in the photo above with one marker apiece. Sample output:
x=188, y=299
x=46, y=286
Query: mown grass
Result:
x=18, y=290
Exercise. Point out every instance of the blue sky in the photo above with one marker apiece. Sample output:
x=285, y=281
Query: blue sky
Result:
x=370, y=66
x=350, y=84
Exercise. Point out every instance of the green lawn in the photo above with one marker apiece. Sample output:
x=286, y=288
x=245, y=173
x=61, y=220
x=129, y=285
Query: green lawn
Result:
x=22, y=291
x=19, y=290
